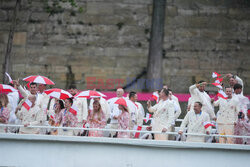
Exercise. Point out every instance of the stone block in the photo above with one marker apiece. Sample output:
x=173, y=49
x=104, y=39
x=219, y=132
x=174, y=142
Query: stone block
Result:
x=211, y=60
x=214, y=10
x=39, y=16
x=4, y=37
x=20, y=38
x=94, y=8
x=210, y=34
x=3, y=15
x=189, y=62
x=6, y=4
x=5, y=26
x=19, y=67
x=172, y=63
x=239, y=13
x=179, y=84
x=187, y=12
x=60, y=69
x=187, y=33
x=130, y=62
x=171, y=11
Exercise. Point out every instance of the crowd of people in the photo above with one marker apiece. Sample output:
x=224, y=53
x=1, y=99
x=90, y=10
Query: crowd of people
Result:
x=126, y=113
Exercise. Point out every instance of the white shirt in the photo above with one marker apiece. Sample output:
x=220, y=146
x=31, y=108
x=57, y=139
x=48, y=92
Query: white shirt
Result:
x=114, y=110
x=202, y=97
x=228, y=110
x=13, y=98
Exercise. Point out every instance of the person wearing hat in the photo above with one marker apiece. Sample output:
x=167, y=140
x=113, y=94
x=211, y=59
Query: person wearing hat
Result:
x=115, y=111
x=123, y=119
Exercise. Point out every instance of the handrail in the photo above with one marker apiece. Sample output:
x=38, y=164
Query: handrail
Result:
x=120, y=130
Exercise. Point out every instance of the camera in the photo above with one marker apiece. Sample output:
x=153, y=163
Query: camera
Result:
x=240, y=115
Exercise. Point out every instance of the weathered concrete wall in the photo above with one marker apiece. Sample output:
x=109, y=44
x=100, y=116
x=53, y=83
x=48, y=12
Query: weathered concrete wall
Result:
x=110, y=40
x=64, y=151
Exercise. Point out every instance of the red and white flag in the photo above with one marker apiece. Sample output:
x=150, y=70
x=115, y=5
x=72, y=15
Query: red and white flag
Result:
x=27, y=104
x=52, y=117
x=215, y=75
x=138, y=128
x=207, y=124
x=222, y=94
x=218, y=80
x=73, y=110
x=155, y=96
x=148, y=116
x=217, y=85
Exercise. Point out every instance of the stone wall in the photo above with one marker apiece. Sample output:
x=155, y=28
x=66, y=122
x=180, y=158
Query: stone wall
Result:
x=109, y=39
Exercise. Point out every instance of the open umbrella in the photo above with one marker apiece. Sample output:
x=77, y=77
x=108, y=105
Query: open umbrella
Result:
x=90, y=94
x=6, y=88
x=39, y=79
x=121, y=101
x=58, y=93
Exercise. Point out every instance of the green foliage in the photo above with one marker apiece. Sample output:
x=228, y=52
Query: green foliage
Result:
x=120, y=25
x=55, y=6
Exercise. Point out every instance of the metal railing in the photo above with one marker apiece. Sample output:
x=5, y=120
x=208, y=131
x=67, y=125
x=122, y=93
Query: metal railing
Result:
x=120, y=130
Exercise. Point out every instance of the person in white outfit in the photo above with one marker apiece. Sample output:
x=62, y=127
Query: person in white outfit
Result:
x=234, y=79
x=227, y=115
x=12, y=105
x=32, y=117
x=243, y=100
x=194, y=120
x=82, y=107
x=198, y=93
x=163, y=115
x=114, y=111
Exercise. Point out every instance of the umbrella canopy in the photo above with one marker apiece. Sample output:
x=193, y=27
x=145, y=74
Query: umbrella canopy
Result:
x=6, y=88
x=39, y=79
x=90, y=94
x=121, y=101
x=58, y=93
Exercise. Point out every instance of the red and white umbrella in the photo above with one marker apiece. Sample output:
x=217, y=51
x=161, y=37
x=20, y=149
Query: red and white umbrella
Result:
x=89, y=94
x=121, y=101
x=6, y=88
x=58, y=93
x=39, y=79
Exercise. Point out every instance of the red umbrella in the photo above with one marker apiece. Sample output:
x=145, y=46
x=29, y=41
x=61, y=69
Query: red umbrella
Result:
x=6, y=88
x=58, y=93
x=90, y=94
x=39, y=79
x=121, y=101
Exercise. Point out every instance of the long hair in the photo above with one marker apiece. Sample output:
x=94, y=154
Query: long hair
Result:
x=125, y=108
x=4, y=100
x=98, y=112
